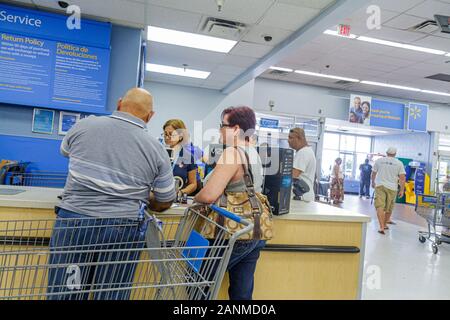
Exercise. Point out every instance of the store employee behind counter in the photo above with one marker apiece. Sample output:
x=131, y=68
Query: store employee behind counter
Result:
x=186, y=156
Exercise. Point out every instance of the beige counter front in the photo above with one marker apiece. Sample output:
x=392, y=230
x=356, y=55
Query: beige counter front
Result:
x=317, y=252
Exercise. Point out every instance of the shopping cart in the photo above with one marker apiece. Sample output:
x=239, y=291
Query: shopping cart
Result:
x=36, y=179
x=323, y=191
x=436, y=211
x=116, y=258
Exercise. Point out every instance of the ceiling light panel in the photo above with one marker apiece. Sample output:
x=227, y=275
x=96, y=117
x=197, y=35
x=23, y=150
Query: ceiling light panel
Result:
x=281, y=69
x=386, y=85
x=400, y=45
x=389, y=43
x=335, y=33
x=191, y=73
x=190, y=40
x=321, y=75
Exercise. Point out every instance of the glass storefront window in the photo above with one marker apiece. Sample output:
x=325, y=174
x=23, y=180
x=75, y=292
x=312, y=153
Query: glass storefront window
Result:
x=363, y=144
x=348, y=163
x=352, y=149
x=328, y=158
x=331, y=141
x=444, y=175
x=360, y=158
x=348, y=143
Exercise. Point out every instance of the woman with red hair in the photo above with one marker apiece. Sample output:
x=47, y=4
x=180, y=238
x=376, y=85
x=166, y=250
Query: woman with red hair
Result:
x=237, y=130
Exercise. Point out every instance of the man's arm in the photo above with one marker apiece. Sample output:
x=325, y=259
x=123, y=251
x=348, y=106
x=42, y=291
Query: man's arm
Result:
x=71, y=138
x=158, y=206
x=299, y=165
x=296, y=173
x=374, y=176
x=163, y=194
x=65, y=145
x=402, y=179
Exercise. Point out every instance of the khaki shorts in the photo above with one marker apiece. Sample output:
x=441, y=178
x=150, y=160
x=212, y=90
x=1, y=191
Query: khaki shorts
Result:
x=385, y=198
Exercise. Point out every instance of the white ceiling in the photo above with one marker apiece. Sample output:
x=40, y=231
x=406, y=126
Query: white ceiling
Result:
x=277, y=18
x=280, y=19
x=374, y=62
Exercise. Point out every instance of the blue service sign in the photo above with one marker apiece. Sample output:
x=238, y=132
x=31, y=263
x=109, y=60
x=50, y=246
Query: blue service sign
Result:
x=54, y=27
x=44, y=64
x=417, y=117
x=387, y=114
x=269, y=123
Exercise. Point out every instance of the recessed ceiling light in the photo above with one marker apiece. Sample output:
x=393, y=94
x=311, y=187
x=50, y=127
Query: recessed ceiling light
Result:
x=400, y=45
x=158, y=68
x=356, y=128
x=436, y=92
x=281, y=69
x=394, y=86
x=190, y=40
x=335, y=33
x=387, y=85
x=314, y=74
x=389, y=43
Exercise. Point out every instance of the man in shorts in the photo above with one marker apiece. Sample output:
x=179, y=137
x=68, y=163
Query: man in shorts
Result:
x=387, y=173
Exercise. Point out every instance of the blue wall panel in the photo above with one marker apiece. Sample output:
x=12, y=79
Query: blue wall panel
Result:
x=42, y=153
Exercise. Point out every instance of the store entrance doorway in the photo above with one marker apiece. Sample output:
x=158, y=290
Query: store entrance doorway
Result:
x=348, y=164
x=443, y=172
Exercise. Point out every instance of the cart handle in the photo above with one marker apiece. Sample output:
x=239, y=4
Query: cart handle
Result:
x=229, y=215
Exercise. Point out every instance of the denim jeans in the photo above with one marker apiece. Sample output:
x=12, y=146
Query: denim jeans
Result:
x=83, y=252
x=364, y=184
x=241, y=269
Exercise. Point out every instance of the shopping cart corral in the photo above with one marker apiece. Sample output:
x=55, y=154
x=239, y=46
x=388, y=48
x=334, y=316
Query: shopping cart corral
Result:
x=116, y=258
x=436, y=211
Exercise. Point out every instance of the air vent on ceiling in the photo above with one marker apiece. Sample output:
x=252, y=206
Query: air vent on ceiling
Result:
x=443, y=22
x=223, y=28
x=428, y=27
x=278, y=73
x=440, y=77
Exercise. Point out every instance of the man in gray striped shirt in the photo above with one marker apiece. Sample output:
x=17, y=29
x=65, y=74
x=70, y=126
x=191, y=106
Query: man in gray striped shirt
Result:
x=115, y=167
x=114, y=163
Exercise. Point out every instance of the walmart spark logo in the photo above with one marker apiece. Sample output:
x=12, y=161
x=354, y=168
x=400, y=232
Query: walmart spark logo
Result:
x=418, y=117
x=415, y=112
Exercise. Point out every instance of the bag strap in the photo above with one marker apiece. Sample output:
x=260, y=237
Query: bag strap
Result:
x=250, y=187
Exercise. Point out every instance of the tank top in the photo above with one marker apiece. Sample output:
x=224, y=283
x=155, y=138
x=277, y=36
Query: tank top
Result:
x=255, y=167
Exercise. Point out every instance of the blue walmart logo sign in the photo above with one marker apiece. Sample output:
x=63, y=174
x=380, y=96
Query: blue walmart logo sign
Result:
x=415, y=112
x=417, y=117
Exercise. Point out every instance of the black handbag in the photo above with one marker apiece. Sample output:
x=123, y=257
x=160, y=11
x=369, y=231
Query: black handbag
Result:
x=300, y=188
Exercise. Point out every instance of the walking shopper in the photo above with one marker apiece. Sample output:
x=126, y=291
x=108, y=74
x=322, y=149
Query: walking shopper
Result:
x=337, y=182
x=387, y=173
x=365, y=176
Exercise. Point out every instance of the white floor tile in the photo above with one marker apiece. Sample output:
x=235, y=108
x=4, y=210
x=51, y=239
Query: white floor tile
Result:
x=407, y=268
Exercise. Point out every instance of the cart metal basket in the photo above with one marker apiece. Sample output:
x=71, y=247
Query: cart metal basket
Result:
x=436, y=211
x=36, y=179
x=116, y=258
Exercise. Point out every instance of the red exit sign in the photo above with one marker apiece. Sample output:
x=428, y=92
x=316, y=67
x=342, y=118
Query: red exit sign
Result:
x=344, y=30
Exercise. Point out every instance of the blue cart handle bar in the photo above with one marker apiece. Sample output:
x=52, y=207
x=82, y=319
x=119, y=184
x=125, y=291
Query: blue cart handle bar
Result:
x=229, y=215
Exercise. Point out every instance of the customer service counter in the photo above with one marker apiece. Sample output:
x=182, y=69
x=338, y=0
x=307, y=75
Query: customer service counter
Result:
x=317, y=252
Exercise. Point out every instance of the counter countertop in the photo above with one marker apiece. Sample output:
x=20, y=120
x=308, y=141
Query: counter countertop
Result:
x=35, y=198
x=46, y=198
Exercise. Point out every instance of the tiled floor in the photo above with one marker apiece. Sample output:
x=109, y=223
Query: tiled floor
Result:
x=398, y=266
